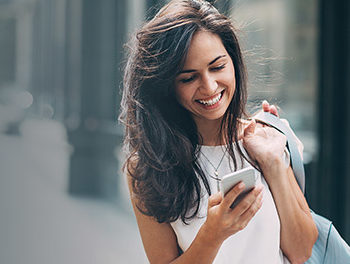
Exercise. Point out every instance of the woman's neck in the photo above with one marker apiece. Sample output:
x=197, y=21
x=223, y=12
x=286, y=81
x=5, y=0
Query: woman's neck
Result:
x=210, y=132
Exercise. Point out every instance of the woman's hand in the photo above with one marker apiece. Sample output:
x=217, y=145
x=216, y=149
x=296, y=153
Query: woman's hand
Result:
x=264, y=144
x=222, y=221
x=266, y=107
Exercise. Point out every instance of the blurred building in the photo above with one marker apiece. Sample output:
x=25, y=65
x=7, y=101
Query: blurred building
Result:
x=61, y=72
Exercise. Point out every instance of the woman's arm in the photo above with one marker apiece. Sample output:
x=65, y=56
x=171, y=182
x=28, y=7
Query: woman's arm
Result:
x=298, y=230
x=160, y=241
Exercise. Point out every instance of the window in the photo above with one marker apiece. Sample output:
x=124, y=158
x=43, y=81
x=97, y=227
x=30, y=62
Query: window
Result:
x=279, y=43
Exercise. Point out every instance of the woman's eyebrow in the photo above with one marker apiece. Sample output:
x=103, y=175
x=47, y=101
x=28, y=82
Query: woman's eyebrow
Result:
x=186, y=71
x=210, y=63
x=214, y=60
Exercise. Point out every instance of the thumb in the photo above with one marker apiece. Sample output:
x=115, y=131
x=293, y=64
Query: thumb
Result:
x=250, y=129
x=215, y=199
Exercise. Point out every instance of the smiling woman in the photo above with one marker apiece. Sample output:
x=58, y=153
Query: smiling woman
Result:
x=206, y=85
x=183, y=106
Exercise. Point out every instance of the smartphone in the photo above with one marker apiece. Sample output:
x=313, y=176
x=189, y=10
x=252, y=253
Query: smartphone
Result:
x=248, y=176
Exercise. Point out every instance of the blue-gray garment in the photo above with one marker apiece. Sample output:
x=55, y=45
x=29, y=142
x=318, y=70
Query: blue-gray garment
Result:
x=329, y=248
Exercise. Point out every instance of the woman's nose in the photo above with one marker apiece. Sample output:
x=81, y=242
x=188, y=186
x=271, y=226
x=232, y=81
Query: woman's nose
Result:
x=208, y=85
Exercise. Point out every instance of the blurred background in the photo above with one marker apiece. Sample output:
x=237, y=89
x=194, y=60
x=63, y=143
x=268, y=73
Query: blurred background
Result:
x=63, y=198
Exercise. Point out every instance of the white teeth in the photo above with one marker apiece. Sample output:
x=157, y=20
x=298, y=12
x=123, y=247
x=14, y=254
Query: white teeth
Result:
x=211, y=101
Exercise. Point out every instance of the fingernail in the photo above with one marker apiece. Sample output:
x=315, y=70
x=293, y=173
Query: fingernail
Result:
x=241, y=185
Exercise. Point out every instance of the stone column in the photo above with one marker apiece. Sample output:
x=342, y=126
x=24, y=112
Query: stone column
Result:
x=95, y=34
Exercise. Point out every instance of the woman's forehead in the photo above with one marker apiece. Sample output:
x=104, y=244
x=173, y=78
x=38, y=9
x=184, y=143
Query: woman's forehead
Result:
x=204, y=47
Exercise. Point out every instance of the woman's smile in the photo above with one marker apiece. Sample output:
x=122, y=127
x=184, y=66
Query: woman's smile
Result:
x=206, y=84
x=212, y=102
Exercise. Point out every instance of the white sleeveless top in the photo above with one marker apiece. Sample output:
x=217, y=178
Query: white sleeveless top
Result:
x=259, y=242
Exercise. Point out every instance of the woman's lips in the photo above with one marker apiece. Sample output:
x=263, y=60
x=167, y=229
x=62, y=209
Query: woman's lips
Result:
x=212, y=102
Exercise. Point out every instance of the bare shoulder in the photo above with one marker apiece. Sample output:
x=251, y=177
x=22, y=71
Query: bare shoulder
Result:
x=159, y=239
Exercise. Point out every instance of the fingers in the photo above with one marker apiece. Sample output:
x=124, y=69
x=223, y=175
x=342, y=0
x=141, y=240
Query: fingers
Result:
x=269, y=108
x=215, y=199
x=229, y=221
x=232, y=195
x=250, y=128
x=251, y=211
x=265, y=106
x=248, y=201
x=245, y=210
x=273, y=110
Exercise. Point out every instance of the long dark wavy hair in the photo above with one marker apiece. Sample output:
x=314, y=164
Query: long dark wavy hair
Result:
x=161, y=137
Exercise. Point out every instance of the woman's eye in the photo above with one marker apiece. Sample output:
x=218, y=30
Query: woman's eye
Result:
x=218, y=68
x=187, y=80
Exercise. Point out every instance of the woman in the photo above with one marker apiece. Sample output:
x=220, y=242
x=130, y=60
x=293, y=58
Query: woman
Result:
x=183, y=106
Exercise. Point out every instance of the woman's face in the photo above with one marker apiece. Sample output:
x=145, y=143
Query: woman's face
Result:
x=206, y=84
